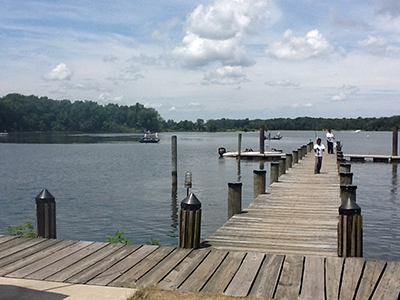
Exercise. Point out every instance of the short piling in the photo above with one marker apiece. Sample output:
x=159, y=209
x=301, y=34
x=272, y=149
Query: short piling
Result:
x=395, y=140
x=295, y=156
x=274, y=175
x=348, y=191
x=350, y=235
x=289, y=158
x=282, y=166
x=45, y=215
x=259, y=184
x=344, y=167
x=234, y=199
x=346, y=178
x=262, y=134
x=190, y=223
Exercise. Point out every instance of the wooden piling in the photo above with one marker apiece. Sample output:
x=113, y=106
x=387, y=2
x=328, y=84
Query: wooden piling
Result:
x=282, y=166
x=234, y=199
x=348, y=191
x=190, y=222
x=262, y=145
x=344, y=167
x=239, y=146
x=274, y=175
x=346, y=178
x=174, y=162
x=259, y=184
x=395, y=140
x=289, y=158
x=300, y=153
x=295, y=156
x=350, y=236
x=45, y=215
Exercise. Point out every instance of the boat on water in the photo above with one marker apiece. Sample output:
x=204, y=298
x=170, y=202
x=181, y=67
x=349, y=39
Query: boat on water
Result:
x=149, y=138
x=275, y=137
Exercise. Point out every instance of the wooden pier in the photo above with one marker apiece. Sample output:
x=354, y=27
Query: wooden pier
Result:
x=373, y=157
x=283, y=246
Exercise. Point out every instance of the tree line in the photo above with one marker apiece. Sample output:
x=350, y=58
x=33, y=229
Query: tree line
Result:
x=20, y=113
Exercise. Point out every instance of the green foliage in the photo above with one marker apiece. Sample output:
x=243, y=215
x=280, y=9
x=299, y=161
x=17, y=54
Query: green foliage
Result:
x=153, y=242
x=25, y=229
x=118, y=238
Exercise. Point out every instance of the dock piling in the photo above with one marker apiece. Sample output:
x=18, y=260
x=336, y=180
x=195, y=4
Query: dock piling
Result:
x=274, y=175
x=234, y=199
x=190, y=222
x=395, y=140
x=346, y=178
x=259, y=185
x=295, y=156
x=45, y=215
x=348, y=191
x=262, y=145
x=174, y=162
x=350, y=236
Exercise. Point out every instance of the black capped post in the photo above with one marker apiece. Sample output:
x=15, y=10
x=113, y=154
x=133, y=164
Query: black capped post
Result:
x=350, y=235
x=45, y=215
x=190, y=222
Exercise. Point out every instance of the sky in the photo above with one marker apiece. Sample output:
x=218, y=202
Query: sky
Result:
x=208, y=59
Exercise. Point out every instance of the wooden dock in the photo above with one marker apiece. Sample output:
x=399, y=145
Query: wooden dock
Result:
x=211, y=271
x=282, y=247
x=373, y=157
x=297, y=215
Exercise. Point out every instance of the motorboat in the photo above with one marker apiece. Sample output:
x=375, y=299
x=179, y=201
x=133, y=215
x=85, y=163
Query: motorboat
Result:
x=149, y=138
x=276, y=137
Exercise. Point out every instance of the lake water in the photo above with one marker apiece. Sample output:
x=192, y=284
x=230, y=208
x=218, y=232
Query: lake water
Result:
x=109, y=182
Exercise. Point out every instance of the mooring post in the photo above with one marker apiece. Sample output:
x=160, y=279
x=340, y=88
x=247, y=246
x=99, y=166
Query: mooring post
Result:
x=395, y=140
x=174, y=160
x=259, y=179
x=45, y=215
x=348, y=191
x=239, y=145
x=234, y=199
x=289, y=157
x=262, y=145
x=274, y=175
x=300, y=153
x=295, y=156
x=346, y=178
x=304, y=150
x=350, y=235
x=190, y=222
x=282, y=166
x=344, y=167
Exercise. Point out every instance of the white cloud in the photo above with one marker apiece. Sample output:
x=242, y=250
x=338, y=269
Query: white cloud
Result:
x=339, y=97
x=173, y=108
x=225, y=75
x=283, y=83
x=313, y=44
x=214, y=33
x=59, y=73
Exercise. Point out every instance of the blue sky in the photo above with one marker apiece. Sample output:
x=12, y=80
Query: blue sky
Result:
x=208, y=59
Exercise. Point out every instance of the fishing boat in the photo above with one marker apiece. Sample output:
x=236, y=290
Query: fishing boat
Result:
x=276, y=137
x=149, y=138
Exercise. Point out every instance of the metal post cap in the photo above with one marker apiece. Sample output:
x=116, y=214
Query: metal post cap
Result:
x=44, y=197
x=349, y=207
x=191, y=202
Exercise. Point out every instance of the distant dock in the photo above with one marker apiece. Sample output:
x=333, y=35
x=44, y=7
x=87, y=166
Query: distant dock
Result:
x=371, y=157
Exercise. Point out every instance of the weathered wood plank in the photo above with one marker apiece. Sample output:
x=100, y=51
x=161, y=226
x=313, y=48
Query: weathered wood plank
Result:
x=29, y=256
x=137, y=271
x=244, y=278
x=65, y=262
x=351, y=275
x=182, y=271
x=122, y=266
x=88, y=261
x=49, y=259
x=267, y=278
x=5, y=238
x=290, y=281
x=313, y=286
x=389, y=285
x=224, y=274
x=372, y=272
x=333, y=267
x=11, y=243
x=103, y=265
x=203, y=272
x=155, y=275
x=27, y=242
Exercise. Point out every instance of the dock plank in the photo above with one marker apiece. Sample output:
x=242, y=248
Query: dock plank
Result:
x=389, y=285
x=242, y=281
x=353, y=268
x=333, y=270
x=372, y=272
x=290, y=281
x=313, y=280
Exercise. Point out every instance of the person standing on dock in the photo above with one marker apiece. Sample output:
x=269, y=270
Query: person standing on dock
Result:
x=329, y=139
x=319, y=148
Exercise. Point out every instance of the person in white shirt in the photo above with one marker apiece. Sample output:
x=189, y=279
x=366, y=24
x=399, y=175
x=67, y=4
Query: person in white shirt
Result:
x=329, y=139
x=319, y=148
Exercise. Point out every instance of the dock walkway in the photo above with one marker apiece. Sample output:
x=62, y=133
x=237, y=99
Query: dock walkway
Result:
x=297, y=215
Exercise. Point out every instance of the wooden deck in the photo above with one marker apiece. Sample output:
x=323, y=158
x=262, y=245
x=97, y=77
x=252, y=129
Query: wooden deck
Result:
x=297, y=215
x=282, y=247
x=211, y=271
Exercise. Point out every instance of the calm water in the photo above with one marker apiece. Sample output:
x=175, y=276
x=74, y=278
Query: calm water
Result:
x=105, y=183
